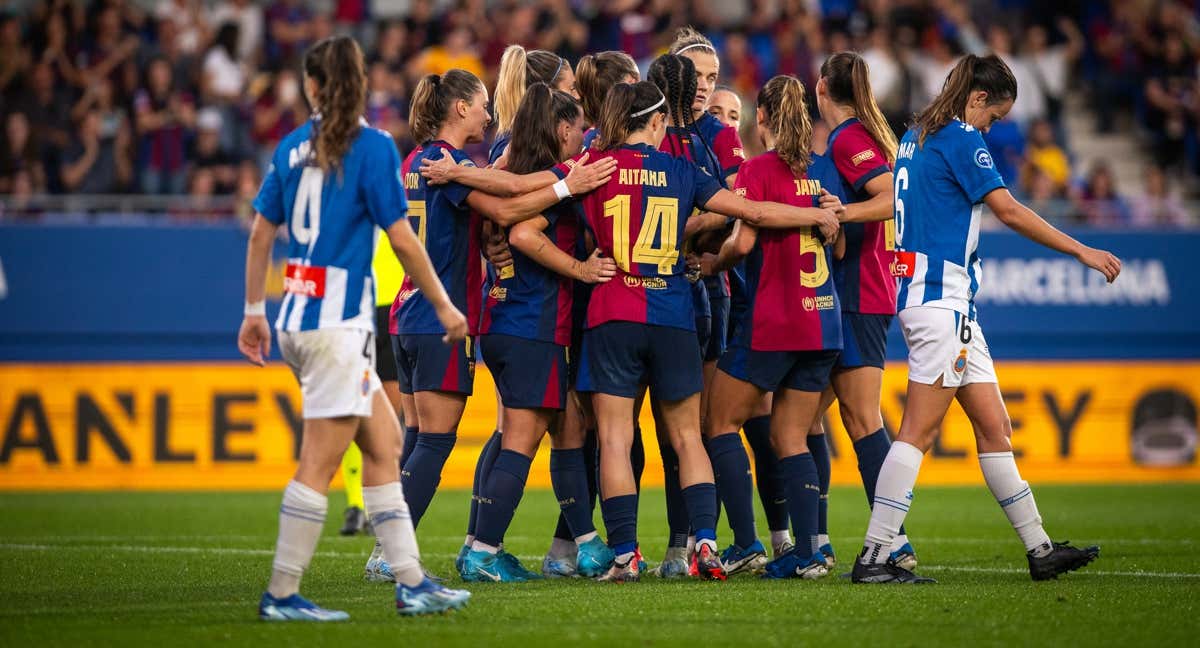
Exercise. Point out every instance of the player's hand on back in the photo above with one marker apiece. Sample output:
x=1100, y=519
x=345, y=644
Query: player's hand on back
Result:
x=254, y=339
x=454, y=322
x=1102, y=260
x=598, y=269
x=439, y=170
x=585, y=177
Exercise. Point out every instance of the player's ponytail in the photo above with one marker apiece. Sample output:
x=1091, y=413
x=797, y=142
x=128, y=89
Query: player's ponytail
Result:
x=675, y=77
x=535, y=145
x=782, y=102
x=628, y=108
x=847, y=79
x=970, y=74
x=595, y=76
x=336, y=64
x=433, y=97
x=519, y=70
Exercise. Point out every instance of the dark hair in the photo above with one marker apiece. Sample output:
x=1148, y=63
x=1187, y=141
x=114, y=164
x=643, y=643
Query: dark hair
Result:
x=534, y=145
x=847, y=77
x=595, y=76
x=627, y=109
x=227, y=39
x=782, y=101
x=675, y=76
x=433, y=97
x=688, y=38
x=518, y=70
x=971, y=73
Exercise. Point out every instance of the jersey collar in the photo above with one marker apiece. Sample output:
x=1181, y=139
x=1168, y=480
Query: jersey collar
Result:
x=835, y=132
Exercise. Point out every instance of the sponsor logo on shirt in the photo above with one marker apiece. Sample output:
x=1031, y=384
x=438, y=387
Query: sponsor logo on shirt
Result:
x=859, y=158
x=405, y=295
x=740, y=153
x=904, y=264
x=741, y=191
x=499, y=293
x=960, y=363
x=507, y=272
x=820, y=302
x=649, y=283
x=304, y=280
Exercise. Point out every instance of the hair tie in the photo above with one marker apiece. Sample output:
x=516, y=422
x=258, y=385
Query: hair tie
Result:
x=661, y=101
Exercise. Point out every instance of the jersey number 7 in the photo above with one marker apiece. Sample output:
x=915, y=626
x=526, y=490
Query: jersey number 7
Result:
x=661, y=221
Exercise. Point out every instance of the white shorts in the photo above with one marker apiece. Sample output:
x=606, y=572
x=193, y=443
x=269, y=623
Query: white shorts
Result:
x=336, y=370
x=945, y=344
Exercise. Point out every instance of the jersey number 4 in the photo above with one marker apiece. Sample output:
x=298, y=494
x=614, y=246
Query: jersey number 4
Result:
x=306, y=208
x=661, y=221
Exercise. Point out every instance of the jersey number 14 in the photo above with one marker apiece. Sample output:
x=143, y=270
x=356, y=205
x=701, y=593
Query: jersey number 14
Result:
x=661, y=221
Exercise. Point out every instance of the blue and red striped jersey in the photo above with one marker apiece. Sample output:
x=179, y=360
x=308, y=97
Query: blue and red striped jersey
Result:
x=638, y=219
x=863, y=275
x=450, y=231
x=792, y=301
x=534, y=302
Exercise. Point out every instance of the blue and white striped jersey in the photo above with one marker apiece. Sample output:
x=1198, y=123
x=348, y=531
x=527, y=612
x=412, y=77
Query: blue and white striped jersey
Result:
x=331, y=226
x=939, y=201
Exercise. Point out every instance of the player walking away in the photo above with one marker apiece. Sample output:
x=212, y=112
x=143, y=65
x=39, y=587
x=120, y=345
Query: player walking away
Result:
x=790, y=334
x=640, y=327
x=333, y=181
x=863, y=148
x=726, y=106
x=727, y=299
x=526, y=332
x=944, y=175
x=450, y=111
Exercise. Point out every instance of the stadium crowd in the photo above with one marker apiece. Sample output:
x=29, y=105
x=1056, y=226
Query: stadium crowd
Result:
x=190, y=97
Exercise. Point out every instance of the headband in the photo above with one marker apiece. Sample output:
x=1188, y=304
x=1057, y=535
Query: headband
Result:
x=704, y=45
x=661, y=100
x=558, y=69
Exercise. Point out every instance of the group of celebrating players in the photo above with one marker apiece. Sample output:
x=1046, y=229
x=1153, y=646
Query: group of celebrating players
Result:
x=619, y=243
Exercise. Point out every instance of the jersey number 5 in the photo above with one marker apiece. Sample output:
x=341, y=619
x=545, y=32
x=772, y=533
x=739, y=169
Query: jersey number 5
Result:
x=820, y=273
x=306, y=208
x=661, y=221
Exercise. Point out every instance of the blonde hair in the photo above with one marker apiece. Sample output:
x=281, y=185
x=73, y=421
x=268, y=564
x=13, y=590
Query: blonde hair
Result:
x=782, y=99
x=519, y=70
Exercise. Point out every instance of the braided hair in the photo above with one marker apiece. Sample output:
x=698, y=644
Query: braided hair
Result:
x=675, y=76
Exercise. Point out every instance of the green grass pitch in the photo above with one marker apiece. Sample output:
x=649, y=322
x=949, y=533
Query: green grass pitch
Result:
x=187, y=569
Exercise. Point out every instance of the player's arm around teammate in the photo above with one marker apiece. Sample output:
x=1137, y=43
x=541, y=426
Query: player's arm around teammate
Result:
x=944, y=173
x=352, y=171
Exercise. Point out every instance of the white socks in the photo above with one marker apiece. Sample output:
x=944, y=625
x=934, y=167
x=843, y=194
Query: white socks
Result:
x=779, y=539
x=301, y=517
x=586, y=538
x=394, y=530
x=1016, y=498
x=560, y=548
x=893, y=495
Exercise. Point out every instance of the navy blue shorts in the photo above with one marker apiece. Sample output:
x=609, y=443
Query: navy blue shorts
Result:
x=385, y=359
x=864, y=339
x=718, y=340
x=530, y=374
x=425, y=363
x=806, y=371
x=704, y=332
x=619, y=357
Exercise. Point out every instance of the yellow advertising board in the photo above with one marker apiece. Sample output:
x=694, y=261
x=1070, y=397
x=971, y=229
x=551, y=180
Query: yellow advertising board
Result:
x=160, y=426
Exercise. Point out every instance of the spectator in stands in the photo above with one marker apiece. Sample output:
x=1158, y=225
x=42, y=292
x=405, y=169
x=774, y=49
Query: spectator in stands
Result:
x=108, y=46
x=91, y=163
x=223, y=84
x=20, y=160
x=189, y=20
x=14, y=56
x=1158, y=206
x=1044, y=197
x=164, y=117
x=208, y=155
x=1173, y=100
x=457, y=52
x=1114, y=75
x=278, y=111
x=1044, y=155
x=390, y=46
x=48, y=107
x=289, y=31
x=248, y=16
x=739, y=67
x=387, y=104
x=562, y=29
x=248, y=181
x=1099, y=203
x=1049, y=65
x=421, y=26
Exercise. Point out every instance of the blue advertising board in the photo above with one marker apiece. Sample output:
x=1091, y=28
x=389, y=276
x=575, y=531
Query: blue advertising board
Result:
x=174, y=292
